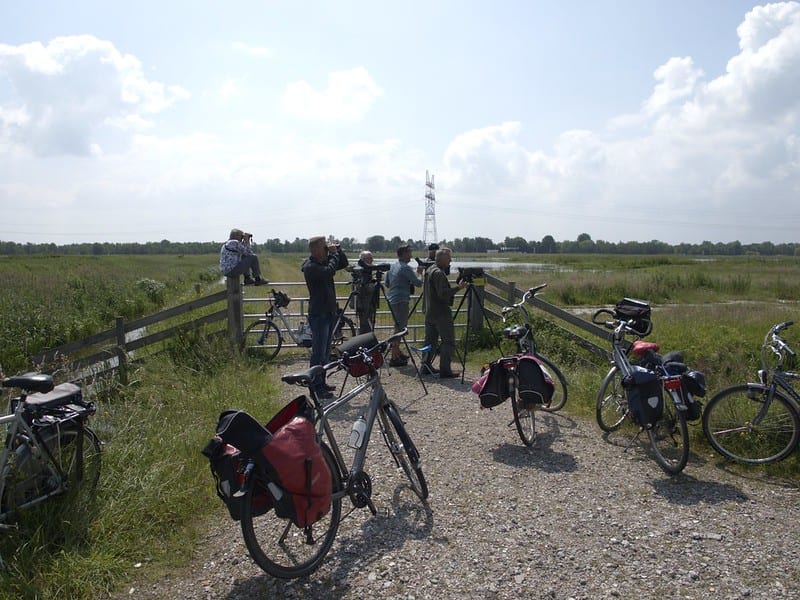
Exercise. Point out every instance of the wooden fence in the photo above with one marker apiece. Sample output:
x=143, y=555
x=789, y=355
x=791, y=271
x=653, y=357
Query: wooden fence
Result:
x=233, y=308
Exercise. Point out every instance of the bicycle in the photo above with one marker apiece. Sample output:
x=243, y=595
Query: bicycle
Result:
x=526, y=344
x=263, y=338
x=758, y=423
x=669, y=433
x=48, y=448
x=276, y=544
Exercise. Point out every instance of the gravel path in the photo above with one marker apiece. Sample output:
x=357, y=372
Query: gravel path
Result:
x=573, y=517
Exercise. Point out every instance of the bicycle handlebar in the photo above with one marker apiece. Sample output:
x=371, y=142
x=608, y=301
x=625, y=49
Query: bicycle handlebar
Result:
x=620, y=325
x=528, y=293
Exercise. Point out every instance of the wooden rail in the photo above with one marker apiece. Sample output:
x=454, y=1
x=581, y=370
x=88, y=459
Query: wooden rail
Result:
x=112, y=348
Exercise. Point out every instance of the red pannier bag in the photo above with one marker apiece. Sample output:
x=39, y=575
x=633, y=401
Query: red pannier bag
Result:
x=288, y=451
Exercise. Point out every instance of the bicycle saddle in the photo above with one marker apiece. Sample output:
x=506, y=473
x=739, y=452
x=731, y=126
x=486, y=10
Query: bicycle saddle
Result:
x=30, y=382
x=303, y=377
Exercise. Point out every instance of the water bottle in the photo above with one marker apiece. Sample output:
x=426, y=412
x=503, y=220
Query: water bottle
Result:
x=357, y=433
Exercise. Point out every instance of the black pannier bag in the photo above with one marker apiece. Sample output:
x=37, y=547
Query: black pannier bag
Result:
x=535, y=386
x=228, y=466
x=694, y=384
x=287, y=450
x=492, y=385
x=638, y=311
x=645, y=396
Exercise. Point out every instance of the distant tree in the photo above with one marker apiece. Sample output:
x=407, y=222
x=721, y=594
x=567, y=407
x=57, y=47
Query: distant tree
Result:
x=584, y=237
x=548, y=245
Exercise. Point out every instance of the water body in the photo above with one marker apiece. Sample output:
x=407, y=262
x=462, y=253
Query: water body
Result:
x=498, y=265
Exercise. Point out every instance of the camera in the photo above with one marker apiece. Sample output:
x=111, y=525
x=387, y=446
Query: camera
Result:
x=369, y=273
x=424, y=263
x=468, y=274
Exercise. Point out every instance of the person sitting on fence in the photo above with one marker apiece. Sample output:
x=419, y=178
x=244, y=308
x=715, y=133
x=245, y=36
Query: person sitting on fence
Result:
x=237, y=258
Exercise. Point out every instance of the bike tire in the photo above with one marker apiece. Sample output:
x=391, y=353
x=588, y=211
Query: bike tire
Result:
x=262, y=340
x=403, y=450
x=76, y=474
x=524, y=417
x=611, y=405
x=728, y=425
x=278, y=546
x=669, y=438
x=560, y=384
x=345, y=330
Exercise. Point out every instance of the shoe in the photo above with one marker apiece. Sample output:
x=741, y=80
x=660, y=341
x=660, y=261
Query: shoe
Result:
x=249, y=280
x=449, y=374
x=398, y=362
x=260, y=281
x=330, y=388
x=324, y=395
x=429, y=369
x=404, y=356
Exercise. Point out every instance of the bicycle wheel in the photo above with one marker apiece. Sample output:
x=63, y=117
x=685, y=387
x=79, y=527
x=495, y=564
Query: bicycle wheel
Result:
x=524, y=417
x=344, y=330
x=559, y=382
x=283, y=549
x=262, y=339
x=669, y=438
x=741, y=425
x=403, y=450
x=611, y=406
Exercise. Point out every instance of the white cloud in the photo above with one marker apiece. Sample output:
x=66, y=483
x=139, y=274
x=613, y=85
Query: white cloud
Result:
x=348, y=96
x=715, y=149
x=254, y=51
x=74, y=92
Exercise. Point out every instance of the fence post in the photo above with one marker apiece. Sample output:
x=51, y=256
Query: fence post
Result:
x=235, y=312
x=122, y=355
x=512, y=292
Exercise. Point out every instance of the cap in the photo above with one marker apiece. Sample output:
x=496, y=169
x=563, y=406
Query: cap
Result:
x=433, y=246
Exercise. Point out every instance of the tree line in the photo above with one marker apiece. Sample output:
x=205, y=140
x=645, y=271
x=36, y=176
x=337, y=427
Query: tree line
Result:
x=584, y=244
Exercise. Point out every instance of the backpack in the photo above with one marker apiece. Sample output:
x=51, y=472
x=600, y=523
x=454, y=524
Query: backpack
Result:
x=535, y=385
x=645, y=396
x=492, y=385
x=298, y=480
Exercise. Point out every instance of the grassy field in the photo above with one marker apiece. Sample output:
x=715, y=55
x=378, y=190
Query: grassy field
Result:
x=155, y=487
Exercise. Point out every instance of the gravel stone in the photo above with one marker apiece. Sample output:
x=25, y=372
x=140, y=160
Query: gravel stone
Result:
x=573, y=517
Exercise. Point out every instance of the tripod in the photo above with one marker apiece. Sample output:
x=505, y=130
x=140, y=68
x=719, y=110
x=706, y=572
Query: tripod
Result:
x=366, y=307
x=470, y=296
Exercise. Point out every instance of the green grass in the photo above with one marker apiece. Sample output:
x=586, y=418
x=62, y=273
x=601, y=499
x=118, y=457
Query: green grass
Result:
x=156, y=489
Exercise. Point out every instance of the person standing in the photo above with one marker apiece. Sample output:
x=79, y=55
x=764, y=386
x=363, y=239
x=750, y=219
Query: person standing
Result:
x=438, y=314
x=319, y=270
x=237, y=258
x=400, y=280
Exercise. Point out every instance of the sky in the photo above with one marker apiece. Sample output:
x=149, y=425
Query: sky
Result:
x=670, y=120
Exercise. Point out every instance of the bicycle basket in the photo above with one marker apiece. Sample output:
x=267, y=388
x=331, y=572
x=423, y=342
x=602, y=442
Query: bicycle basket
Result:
x=281, y=299
x=353, y=361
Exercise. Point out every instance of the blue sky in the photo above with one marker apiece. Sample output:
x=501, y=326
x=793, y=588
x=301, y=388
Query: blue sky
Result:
x=626, y=120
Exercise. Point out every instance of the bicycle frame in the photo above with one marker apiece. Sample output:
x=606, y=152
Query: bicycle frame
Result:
x=40, y=454
x=377, y=396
